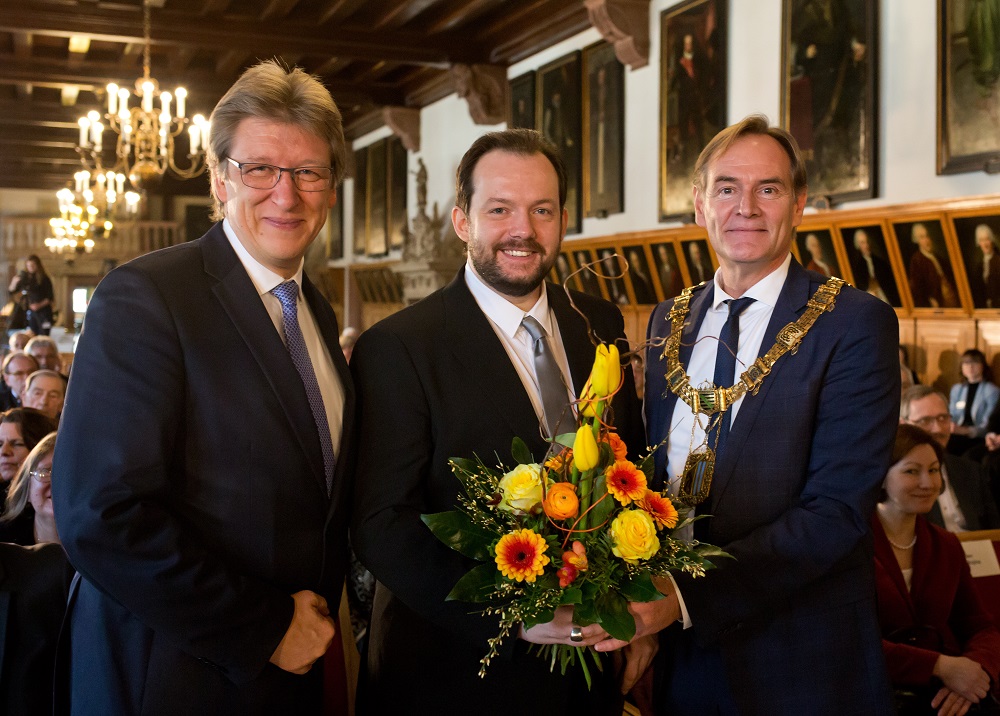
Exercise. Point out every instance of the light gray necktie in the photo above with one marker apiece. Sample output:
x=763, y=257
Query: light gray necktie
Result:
x=548, y=375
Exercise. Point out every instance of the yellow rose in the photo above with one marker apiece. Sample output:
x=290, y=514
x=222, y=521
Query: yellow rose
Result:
x=522, y=489
x=585, y=452
x=633, y=536
x=561, y=501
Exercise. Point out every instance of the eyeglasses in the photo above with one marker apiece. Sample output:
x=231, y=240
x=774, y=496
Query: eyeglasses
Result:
x=267, y=176
x=931, y=420
x=19, y=373
x=43, y=476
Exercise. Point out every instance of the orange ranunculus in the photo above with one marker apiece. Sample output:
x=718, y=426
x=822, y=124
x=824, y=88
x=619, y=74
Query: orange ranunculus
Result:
x=585, y=452
x=617, y=445
x=521, y=555
x=561, y=501
x=625, y=481
x=660, y=508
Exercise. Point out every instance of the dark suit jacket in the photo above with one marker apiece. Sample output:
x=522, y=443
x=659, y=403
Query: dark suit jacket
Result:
x=942, y=613
x=195, y=501
x=971, y=483
x=434, y=382
x=33, y=585
x=793, y=615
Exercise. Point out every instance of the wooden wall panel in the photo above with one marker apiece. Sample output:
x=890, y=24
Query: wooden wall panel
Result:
x=988, y=341
x=939, y=344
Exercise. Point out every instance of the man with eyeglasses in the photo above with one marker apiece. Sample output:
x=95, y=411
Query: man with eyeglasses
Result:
x=205, y=438
x=17, y=366
x=966, y=502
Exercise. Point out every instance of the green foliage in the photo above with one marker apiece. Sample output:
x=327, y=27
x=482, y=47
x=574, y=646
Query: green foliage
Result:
x=457, y=530
x=520, y=452
x=640, y=588
x=476, y=586
x=615, y=617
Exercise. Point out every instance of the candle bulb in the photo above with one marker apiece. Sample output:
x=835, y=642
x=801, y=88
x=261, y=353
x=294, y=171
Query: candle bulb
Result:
x=194, y=131
x=147, y=97
x=123, y=96
x=84, y=181
x=181, y=97
x=165, y=105
x=120, y=182
x=112, y=99
x=84, y=131
x=97, y=133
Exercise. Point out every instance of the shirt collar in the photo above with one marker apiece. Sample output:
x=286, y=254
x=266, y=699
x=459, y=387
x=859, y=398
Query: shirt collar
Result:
x=765, y=291
x=502, y=312
x=264, y=279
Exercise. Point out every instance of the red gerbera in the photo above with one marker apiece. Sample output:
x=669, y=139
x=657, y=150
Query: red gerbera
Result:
x=625, y=481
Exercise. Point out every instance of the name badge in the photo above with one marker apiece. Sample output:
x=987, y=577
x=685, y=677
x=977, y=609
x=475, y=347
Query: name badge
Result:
x=960, y=405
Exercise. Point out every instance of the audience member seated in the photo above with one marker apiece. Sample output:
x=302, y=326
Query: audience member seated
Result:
x=34, y=585
x=20, y=430
x=46, y=352
x=19, y=339
x=966, y=501
x=17, y=367
x=30, y=496
x=941, y=645
x=46, y=391
x=971, y=403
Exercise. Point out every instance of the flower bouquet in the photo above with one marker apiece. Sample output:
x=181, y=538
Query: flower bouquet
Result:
x=581, y=528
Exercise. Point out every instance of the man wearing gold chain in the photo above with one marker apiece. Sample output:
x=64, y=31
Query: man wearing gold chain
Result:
x=775, y=391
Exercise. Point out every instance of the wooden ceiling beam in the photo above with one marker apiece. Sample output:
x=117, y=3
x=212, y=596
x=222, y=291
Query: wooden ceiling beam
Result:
x=403, y=12
x=277, y=9
x=175, y=28
x=339, y=9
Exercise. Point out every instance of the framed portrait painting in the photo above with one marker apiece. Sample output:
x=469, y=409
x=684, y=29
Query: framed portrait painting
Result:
x=829, y=93
x=817, y=251
x=967, y=97
x=522, y=102
x=699, y=260
x=559, y=116
x=977, y=236
x=562, y=272
x=589, y=281
x=667, y=270
x=377, y=243
x=640, y=275
x=335, y=227
x=603, y=131
x=397, y=188
x=928, y=262
x=612, y=269
x=872, y=265
x=360, y=201
x=693, y=95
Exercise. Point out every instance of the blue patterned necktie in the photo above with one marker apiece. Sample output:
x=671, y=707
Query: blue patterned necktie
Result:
x=725, y=359
x=287, y=293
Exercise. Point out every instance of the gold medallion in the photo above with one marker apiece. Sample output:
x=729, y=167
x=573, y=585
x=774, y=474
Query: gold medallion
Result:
x=696, y=480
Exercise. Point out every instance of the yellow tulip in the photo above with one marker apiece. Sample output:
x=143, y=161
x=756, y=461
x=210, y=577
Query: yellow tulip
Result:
x=606, y=375
x=585, y=451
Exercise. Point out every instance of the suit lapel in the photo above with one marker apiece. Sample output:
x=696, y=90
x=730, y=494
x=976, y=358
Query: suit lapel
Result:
x=469, y=335
x=790, y=304
x=575, y=338
x=238, y=296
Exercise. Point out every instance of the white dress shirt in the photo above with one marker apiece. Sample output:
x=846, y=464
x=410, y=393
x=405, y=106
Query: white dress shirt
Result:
x=505, y=318
x=264, y=279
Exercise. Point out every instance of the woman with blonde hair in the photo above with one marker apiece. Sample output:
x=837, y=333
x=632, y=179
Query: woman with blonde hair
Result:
x=30, y=494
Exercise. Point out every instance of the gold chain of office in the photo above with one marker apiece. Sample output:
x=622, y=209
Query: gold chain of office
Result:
x=718, y=399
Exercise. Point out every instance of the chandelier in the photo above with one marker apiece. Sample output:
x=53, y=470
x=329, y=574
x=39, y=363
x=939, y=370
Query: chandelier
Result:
x=87, y=213
x=145, y=146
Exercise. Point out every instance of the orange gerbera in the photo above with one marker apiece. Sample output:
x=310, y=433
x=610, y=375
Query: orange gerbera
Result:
x=625, y=481
x=660, y=508
x=617, y=446
x=521, y=555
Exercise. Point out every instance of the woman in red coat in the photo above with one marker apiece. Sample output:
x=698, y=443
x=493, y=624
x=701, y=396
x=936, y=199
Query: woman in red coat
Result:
x=941, y=644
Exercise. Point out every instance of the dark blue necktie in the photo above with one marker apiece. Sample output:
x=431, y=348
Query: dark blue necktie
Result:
x=725, y=360
x=287, y=293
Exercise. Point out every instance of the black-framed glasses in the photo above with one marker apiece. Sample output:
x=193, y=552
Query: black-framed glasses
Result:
x=267, y=176
x=43, y=476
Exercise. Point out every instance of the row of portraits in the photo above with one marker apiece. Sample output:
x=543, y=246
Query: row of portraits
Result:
x=927, y=263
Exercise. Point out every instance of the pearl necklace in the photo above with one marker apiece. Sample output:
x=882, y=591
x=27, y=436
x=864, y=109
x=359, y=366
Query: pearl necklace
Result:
x=902, y=546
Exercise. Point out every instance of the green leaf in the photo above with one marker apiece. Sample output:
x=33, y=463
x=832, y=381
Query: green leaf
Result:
x=710, y=550
x=615, y=616
x=476, y=585
x=586, y=613
x=520, y=452
x=465, y=465
x=602, y=512
x=456, y=530
x=566, y=439
x=641, y=589
x=571, y=595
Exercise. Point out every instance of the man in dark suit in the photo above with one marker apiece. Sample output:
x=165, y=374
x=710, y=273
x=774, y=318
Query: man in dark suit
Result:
x=966, y=502
x=788, y=626
x=454, y=376
x=206, y=498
